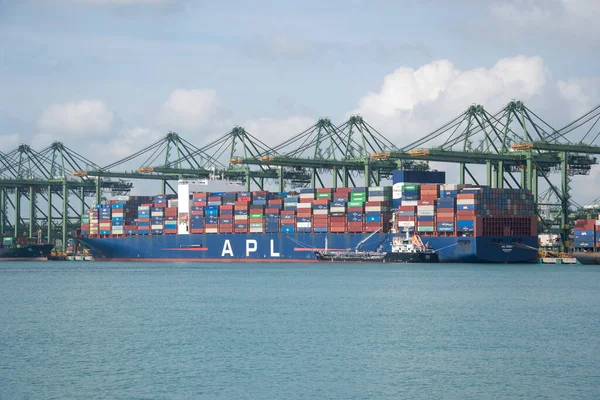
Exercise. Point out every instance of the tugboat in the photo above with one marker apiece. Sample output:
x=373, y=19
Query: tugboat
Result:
x=404, y=250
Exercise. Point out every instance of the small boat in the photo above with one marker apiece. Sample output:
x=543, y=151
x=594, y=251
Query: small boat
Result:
x=409, y=249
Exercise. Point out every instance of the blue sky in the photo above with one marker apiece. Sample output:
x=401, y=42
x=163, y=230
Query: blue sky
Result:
x=106, y=76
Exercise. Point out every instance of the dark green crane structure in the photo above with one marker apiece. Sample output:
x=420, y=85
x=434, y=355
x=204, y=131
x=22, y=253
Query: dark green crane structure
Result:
x=220, y=160
x=43, y=179
x=343, y=151
x=496, y=140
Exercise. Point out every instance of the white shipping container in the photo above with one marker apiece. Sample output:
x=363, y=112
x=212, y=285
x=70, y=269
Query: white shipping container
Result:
x=117, y=215
x=320, y=212
x=410, y=203
x=240, y=217
x=159, y=226
x=376, y=189
x=255, y=230
x=157, y=213
x=406, y=224
x=424, y=213
x=144, y=208
x=373, y=209
x=304, y=205
x=307, y=195
x=211, y=230
x=303, y=224
x=376, y=198
x=397, y=190
x=426, y=208
x=466, y=201
x=338, y=209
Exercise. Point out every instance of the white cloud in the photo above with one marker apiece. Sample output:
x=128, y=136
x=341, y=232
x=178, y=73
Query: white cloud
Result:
x=550, y=18
x=127, y=142
x=274, y=131
x=81, y=118
x=412, y=103
x=189, y=109
x=581, y=94
x=9, y=142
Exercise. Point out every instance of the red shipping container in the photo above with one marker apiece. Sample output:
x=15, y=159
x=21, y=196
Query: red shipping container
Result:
x=272, y=211
x=199, y=203
x=212, y=226
x=170, y=231
x=306, y=200
x=240, y=230
x=425, y=223
x=407, y=208
x=356, y=209
x=338, y=229
x=288, y=212
x=244, y=199
x=171, y=211
x=288, y=221
x=466, y=213
x=160, y=205
x=257, y=220
x=278, y=202
x=259, y=193
x=441, y=218
x=197, y=230
x=426, y=202
x=470, y=196
x=226, y=207
x=321, y=201
x=343, y=190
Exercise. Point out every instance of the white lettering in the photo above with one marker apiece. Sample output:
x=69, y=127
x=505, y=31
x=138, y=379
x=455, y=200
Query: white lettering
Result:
x=273, y=254
x=227, y=249
x=250, y=249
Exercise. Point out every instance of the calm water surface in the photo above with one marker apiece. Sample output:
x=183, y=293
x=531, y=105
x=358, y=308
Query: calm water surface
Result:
x=298, y=331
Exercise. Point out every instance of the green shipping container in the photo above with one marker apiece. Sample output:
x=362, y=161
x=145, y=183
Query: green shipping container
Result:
x=323, y=195
x=425, y=229
x=355, y=203
x=411, y=187
x=256, y=225
x=358, y=196
x=256, y=215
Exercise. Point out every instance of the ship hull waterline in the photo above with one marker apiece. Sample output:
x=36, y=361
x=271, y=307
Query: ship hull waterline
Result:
x=298, y=247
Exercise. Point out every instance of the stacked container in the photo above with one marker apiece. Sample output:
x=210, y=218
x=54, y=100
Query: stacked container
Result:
x=272, y=218
x=170, y=219
x=426, y=211
x=406, y=218
x=95, y=221
x=211, y=218
x=321, y=213
x=157, y=215
x=288, y=221
x=585, y=234
x=143, y=222
x=104, y=220
x=446, y=210
x=304, y=213
x=117, y=218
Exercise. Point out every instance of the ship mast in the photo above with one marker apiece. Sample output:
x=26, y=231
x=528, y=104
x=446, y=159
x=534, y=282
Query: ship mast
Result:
x=365, y=239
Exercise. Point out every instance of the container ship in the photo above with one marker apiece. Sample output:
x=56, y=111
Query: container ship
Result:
x=461, y=223
x=23, y=249
x=586, y=241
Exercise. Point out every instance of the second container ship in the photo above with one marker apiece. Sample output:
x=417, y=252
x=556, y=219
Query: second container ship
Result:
x=460, y=223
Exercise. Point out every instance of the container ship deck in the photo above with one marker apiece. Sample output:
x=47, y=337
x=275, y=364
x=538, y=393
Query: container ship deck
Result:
x=460, y=222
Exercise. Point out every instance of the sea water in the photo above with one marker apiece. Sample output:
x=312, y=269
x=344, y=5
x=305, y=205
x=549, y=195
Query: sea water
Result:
x=298, y=331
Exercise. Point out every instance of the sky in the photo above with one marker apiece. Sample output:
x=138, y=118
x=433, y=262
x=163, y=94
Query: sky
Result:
x=108, y=77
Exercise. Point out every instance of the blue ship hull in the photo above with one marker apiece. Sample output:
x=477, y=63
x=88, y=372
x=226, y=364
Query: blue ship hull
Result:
x=299, y=247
